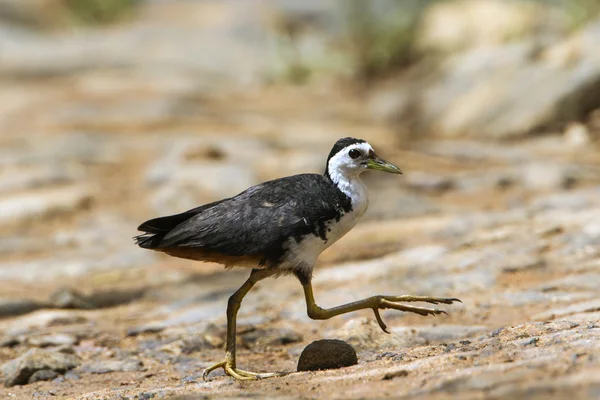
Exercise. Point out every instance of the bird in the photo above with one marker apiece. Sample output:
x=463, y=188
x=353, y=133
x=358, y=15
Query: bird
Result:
x=280, y=227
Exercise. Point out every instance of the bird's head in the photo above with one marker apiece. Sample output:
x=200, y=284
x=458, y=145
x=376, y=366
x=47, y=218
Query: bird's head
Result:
x=349, y=157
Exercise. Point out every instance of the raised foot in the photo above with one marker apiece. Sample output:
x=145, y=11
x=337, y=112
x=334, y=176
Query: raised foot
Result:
x=392, y=302
x=238, y=374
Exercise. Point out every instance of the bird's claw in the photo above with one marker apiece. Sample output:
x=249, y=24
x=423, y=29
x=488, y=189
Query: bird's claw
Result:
x=392, y=302
x=238, y=374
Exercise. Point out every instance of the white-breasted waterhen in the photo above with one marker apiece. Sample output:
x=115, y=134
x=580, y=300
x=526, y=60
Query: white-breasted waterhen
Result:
x=280, y=227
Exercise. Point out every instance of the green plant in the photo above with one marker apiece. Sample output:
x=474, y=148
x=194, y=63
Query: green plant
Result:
x=382, y=34
x=99, y=11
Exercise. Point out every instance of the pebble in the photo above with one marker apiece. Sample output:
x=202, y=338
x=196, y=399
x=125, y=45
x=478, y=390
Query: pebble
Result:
x=58, y=339
x=43, y=375
x=106, y=366
x=143, y=329
x=327, y=354
x=20, y=370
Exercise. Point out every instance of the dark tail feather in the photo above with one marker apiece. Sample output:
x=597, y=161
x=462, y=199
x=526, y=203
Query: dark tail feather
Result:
x=156, y=229
x=149, y=240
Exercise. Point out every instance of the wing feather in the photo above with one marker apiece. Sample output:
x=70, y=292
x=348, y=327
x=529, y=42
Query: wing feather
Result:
x=256, y=222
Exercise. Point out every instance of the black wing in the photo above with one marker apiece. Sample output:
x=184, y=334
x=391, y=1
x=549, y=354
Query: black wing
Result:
x=257, y=222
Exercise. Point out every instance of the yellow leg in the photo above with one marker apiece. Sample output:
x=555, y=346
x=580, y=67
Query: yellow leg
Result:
x=228, y=364
x=375, y=303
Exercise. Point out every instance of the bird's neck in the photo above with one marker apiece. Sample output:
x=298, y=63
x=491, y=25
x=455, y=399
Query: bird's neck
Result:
x=352, y=186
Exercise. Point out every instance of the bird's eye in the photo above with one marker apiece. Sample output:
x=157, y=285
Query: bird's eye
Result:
x=354, y=153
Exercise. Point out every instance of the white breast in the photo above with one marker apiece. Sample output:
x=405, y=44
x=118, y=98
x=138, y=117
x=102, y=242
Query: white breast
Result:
x=306, y=252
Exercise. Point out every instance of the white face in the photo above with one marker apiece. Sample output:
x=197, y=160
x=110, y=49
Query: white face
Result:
x=351, y=160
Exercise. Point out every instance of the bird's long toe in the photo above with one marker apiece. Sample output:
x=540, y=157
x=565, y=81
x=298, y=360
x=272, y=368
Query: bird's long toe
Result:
x=417, y=310
x=425, y=299
x=241, y=375
x=236, y=373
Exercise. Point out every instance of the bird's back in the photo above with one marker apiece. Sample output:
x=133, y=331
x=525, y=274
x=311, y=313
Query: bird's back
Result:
x=260, y=227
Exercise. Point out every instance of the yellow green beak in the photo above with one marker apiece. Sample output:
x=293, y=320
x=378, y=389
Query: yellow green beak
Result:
x=381, y=165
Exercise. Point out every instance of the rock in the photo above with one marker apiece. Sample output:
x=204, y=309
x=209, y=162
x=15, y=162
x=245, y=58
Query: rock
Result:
x=121, y=112
x=68, y=298
x=389, y=104
x=12, y=307
x=208, y=179
x=43, y=202
x=530, y=297
x=429, y=183
x=440, y=333
x=271, y=337
x=365, y=334
x=97, y=299
x=585, y=307
x=546, y=176
x=9, y=341
x=35, y=54
x=503, y=92
x=448, y=27
x=395, y=374
x=589, y=281
x=33, y=12
x=16, y=245
x=20, y=370
x=106, y=366
x=15, y=178
x=43, y=375
x=58, y=339
x=393, y=203
x=143, y=329
x=194, y=344
x=327, y=354
x=577, y=135
x=42, y=319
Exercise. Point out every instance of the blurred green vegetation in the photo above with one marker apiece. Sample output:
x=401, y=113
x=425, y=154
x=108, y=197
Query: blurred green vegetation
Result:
x=382, y=35
x=90, y=12
x=579, y=12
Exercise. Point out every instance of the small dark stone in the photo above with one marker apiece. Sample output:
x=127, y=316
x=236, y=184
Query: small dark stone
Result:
x=43, y=375
x=497, y=332
x=145, y=396
x=327, y=354
x=465, y=342
x=395, y=374
x=449, y=347
x=387, y=354
x=138, y=330
x=9, y=342
x=531, y=341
